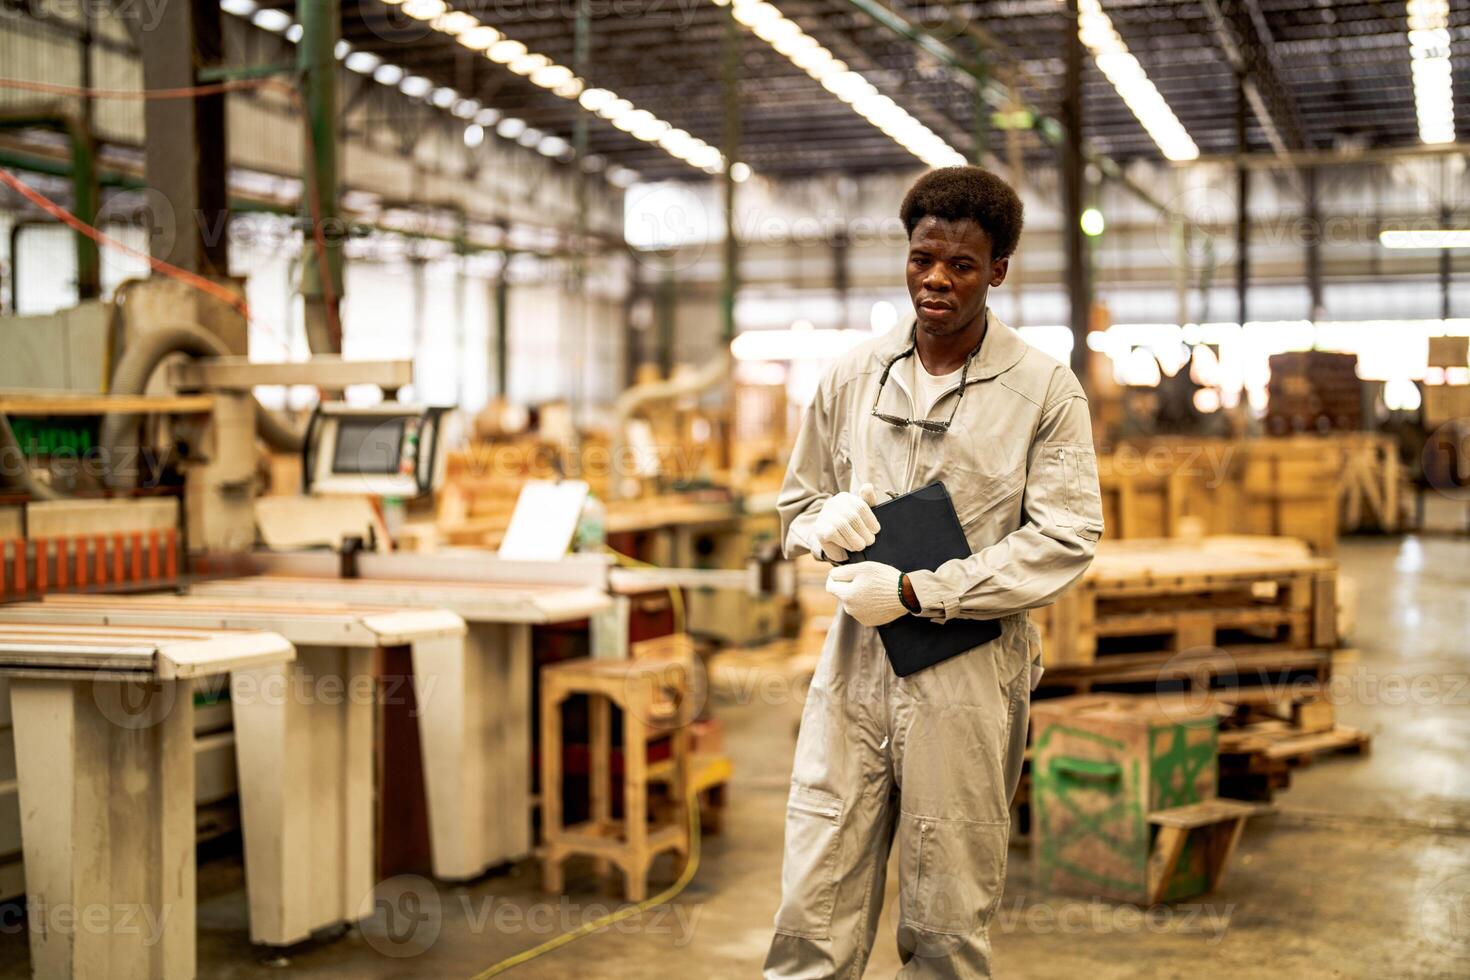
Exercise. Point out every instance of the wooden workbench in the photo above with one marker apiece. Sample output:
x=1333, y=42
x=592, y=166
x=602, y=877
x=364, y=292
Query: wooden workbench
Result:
x=105, y=765
x=474, y=720
x=308, y=850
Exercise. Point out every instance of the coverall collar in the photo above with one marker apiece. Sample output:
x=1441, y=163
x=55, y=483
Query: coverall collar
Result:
x=1001, y=350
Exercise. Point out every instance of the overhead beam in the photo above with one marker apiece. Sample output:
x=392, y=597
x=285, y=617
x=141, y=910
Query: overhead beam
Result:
x=1050, y=129
x=1245, y=37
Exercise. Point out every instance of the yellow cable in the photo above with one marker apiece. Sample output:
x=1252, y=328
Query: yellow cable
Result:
x=676, y=596
x=667, y=895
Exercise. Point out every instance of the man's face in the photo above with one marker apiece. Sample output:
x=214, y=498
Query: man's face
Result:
x=950, y=272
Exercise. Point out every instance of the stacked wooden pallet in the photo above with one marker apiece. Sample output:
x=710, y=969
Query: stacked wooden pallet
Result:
x=1314, y=390
x=1257, y=759
x=1171, y=486
x=1146, y=603
x=1307, y=487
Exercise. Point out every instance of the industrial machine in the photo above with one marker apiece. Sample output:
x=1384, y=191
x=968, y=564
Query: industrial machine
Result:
x=387, y=450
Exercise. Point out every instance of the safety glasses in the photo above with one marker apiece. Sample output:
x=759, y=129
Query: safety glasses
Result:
x=928, y=425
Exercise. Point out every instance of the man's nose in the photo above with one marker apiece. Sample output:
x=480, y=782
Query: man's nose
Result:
x=936, y=280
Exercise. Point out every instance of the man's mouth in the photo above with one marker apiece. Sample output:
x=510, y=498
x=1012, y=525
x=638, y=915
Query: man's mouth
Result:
x=934, y=306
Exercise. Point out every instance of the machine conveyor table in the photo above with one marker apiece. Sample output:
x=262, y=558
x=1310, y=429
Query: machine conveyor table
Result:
x=303, y=738
x=104, y=731
x=476, y=742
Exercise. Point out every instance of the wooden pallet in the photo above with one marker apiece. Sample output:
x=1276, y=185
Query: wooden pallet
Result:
x=1257, y=760
x=1172, y=596
x=1229, y=676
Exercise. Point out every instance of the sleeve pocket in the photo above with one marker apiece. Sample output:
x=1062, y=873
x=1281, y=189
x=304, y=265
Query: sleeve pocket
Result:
x=1083, y=499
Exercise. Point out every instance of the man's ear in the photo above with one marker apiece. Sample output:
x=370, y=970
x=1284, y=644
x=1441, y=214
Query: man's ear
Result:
x=998, y=270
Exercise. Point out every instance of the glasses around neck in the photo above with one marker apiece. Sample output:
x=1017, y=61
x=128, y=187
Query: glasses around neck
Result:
x=928, y=425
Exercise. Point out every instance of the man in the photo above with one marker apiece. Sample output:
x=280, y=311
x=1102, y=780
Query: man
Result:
x=932, y=758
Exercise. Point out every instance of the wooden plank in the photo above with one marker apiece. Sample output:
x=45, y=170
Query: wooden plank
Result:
x=515, y=740
x=599, y=735
x=1204, y=813
x=71, y=518
x=1168, y=845
x=475, y=602
x=327, y=371
x=301, y=620
x=552, y=696
x=36, y=403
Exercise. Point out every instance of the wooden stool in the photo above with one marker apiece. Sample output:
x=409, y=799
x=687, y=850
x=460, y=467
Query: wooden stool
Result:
x=653, y=694
x=1216, y=824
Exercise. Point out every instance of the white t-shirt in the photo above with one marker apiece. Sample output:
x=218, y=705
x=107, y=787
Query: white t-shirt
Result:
x=927, y=388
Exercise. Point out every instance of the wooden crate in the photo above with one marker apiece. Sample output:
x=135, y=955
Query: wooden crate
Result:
x=1169, y=487
x=1444, y=403
x=1290, y=488
x=1101, y=767
x=1373, y=485
x=1311, y=487
x=1166, y=597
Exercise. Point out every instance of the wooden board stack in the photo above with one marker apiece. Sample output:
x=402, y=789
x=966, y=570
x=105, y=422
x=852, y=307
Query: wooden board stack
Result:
x=1307, y=487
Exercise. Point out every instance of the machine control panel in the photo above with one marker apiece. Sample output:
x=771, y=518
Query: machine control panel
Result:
x=386, y=450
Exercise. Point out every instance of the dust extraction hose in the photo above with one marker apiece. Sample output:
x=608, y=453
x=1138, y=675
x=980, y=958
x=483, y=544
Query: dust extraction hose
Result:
x=139, y=362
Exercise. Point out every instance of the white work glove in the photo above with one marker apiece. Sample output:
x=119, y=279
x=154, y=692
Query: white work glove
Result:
x=845, y=523
x=868, y=591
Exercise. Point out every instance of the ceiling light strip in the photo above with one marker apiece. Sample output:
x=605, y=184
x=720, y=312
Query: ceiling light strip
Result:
x=1113, y=59
x=561, y=81
x=803, y=51
x=1429, y=51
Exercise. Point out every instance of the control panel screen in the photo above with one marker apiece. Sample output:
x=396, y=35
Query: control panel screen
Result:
x=368, y=445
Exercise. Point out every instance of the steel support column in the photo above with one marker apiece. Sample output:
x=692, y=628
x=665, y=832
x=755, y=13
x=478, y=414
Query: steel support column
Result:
x=730, y=88
x=664, y=314
x=1079, y=291
x=577, y=287
x=1314, y=243
x=980, y=124
x=184, y=154
x=1242, y=210
x=1446, y=266
x=501, y=301
x=321, y=289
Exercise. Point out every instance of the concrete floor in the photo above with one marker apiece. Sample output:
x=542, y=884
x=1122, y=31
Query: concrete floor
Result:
x=1363, y=872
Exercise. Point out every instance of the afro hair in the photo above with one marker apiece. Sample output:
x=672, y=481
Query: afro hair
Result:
x=957, y=193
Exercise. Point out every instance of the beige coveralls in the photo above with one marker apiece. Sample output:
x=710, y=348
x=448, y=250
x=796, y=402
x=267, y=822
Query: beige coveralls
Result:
x=932, y=758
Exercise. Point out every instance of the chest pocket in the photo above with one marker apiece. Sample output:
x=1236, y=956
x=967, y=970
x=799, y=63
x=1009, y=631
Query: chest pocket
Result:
x=977, y=494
